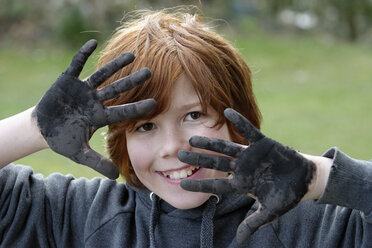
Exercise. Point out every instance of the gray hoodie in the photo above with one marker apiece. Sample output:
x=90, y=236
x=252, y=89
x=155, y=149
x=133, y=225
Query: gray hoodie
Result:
x=61, y=211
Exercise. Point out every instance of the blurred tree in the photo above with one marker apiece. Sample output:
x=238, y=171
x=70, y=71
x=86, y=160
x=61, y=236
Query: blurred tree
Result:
x=348, y=13
x=345, y=18
x=18, y=19
x=77, y=20
x=73, y=27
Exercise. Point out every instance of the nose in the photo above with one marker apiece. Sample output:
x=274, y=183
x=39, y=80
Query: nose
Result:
x=174, y=140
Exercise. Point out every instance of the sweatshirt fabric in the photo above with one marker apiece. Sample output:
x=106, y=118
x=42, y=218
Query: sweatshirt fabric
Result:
x=61, y=211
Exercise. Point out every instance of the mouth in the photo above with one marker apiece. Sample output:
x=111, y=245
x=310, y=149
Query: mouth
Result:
x=185, y=172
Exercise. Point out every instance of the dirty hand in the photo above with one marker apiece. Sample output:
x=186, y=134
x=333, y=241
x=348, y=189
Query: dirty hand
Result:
x=72, y=109
x=275, y=175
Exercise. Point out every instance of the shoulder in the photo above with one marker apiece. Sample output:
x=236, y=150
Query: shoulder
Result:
x=62, y=203
x=58, y=188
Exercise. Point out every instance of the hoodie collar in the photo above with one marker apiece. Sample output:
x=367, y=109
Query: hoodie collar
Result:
x=216, y=205
x=227, y=203
x=207, y=223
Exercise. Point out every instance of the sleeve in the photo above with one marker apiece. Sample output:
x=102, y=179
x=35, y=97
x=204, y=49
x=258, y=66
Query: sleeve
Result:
x=56, y=211
x=341, y=217
x=349, y=183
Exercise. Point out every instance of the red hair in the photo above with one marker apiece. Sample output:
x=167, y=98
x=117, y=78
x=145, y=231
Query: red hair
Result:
x=171, y=44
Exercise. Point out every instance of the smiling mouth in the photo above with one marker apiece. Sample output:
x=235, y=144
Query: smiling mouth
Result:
x=180, y=174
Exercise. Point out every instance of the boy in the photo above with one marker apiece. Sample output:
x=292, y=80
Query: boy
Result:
x=196, y=75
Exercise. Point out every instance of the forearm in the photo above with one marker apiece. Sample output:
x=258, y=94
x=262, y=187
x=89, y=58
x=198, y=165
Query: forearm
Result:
x=349, y=182
x=19, y=137
x=341, y=180
x=320, y=178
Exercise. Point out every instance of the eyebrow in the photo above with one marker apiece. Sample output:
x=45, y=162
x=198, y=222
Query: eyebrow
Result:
x=190, y=105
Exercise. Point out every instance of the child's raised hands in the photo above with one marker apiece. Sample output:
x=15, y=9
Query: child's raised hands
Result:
x=72, y=109
x=275, y=175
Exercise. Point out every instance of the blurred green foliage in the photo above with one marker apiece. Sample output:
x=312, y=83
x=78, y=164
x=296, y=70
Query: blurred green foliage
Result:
x=71, y=21
x=73, y=28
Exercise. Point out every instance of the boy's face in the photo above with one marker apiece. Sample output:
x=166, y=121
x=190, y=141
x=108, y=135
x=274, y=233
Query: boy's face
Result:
x=153, y=147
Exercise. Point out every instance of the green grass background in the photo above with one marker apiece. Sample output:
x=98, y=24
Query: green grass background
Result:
x=314, y=92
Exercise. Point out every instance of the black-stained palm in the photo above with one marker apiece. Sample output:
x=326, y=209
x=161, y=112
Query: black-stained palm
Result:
x=275, y=175
x=72, y=109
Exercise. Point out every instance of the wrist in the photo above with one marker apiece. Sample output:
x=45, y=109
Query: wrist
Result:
x=20, y=136
x=36, y=137
x=320, y=177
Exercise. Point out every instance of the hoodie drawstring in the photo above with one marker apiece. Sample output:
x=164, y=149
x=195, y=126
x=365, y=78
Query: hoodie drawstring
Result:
x=207, y=226
x=154, y=218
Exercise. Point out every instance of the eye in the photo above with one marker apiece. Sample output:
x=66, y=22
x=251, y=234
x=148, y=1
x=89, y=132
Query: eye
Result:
x=146, y=127
x=193, y=115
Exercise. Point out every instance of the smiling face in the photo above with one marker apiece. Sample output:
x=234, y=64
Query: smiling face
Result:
x=172, y=44
x=153, y=146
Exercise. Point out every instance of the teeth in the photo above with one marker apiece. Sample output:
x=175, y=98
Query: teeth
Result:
x=181, y=173
x=176, y=175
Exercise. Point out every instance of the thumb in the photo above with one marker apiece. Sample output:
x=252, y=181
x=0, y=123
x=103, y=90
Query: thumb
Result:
x=252, y=223
x=97, y=162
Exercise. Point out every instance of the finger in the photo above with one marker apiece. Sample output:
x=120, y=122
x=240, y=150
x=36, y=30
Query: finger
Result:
x=128, y=111
x=218, y=145
x=97, y=162
x=243, y=125
x=218, y=185
x=109, y=69
x=252, y=223
x=80, y=58
x=205, y=160
x=123, y=84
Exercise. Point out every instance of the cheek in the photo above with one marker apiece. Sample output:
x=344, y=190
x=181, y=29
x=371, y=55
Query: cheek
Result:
x=221, y=133
x=140, y=154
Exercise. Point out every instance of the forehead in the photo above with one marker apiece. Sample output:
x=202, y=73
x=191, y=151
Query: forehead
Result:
x=182, y=97
x=183, y=91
